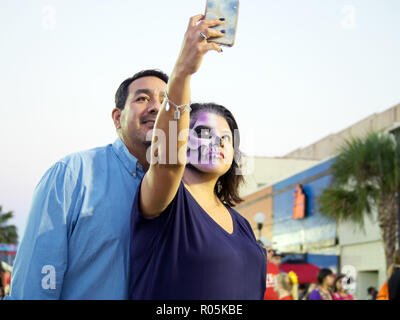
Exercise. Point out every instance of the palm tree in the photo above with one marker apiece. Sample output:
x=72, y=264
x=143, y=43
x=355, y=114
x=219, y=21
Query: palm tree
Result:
x=8, y=233
x=366, y=176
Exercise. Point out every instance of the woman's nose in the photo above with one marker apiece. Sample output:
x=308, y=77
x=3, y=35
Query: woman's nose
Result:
x=218, y=141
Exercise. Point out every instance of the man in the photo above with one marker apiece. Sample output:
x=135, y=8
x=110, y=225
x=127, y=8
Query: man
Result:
x=276, y=258
x=272, y=271
x=372, y=292
x=76, y=242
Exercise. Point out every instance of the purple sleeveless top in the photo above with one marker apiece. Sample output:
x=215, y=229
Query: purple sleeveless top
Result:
x=185, y=255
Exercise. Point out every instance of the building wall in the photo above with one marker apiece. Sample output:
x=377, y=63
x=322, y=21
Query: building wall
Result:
x=260, y=201
x=313, y=232
x=263, y=171
x=362, y=249
x=368, y=261
x=328, y=146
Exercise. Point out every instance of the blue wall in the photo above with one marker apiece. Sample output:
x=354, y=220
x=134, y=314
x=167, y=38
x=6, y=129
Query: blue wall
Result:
x=315, y=226
x=323, y=261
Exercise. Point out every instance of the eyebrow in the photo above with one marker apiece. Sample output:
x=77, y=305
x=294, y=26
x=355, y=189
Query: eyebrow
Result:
x=202, y=126
x=147, y=91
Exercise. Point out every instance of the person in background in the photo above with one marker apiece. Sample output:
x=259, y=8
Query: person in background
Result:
x=394, y=278
x=323, y=289
x=310, y=289
x=339, y=291
x=390, y=289
x=287, y=286
x=277, y=258
x=372, y=292
x=302, y=291
x=272, y=272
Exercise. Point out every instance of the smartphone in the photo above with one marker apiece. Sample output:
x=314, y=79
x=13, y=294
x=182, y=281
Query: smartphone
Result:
x=228, y=9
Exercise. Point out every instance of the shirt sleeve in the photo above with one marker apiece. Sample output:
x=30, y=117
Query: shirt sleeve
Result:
x=42, y=257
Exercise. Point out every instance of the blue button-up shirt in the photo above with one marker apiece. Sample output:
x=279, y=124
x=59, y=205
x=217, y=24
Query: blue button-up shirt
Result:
x=76, y=242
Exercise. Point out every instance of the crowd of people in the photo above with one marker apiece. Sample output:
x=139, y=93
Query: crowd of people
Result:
x=285, y=286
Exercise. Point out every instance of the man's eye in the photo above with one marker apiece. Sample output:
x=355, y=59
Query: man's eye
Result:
x=142, y=99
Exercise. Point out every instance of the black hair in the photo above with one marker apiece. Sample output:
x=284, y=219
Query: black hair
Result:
x=338, y=278
x=122, y=92
x=227, y=186
x=323, y=273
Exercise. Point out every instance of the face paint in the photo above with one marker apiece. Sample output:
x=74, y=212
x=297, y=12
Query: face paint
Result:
x=210, y=147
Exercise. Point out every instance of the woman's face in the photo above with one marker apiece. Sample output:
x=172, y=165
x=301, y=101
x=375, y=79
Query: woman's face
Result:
x=329, y=280
x=210, y=146
x=339, y=285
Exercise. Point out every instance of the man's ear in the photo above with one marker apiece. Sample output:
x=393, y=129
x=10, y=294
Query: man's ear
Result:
x=116, y=115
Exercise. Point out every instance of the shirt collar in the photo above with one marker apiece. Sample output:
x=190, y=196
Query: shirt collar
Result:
x=128, y=160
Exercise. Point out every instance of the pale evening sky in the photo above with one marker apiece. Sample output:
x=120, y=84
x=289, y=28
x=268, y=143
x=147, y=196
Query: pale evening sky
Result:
x=300, y=70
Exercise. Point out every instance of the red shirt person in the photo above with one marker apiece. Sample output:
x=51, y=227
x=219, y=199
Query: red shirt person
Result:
x=272, y=272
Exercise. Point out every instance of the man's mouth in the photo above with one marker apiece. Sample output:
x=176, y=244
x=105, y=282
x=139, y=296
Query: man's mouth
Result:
x=149, y=123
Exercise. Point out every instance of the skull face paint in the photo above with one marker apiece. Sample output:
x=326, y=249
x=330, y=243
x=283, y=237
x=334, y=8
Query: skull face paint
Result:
x=210, y=147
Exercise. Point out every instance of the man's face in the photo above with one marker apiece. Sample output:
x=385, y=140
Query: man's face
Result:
x=277, y=260
x=136, y=121
x=270, y=252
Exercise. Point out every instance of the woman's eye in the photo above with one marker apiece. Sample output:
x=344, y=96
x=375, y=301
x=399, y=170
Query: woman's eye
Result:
x=227, y=138
x=203, y=133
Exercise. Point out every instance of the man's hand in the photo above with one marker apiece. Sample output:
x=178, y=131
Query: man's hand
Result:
x=194, y=46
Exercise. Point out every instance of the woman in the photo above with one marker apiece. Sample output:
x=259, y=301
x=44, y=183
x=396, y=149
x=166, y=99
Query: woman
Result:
x=339, y=292
x=187, y=241
x=390, y=290
x=286, y=286
x=325, y=282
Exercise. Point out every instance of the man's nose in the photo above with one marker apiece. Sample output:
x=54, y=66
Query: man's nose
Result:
x=154, y=106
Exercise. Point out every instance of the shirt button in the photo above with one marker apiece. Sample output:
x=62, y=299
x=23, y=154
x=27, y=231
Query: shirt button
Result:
x=134, y=174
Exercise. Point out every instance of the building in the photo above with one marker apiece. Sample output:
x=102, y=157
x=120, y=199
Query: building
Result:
x=309, y=234
x=322, y=242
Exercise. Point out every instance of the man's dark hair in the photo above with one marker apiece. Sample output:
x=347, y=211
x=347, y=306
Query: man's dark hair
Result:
x=227, y=186
x=122, y=92
x=371, y=290
x=323, y=273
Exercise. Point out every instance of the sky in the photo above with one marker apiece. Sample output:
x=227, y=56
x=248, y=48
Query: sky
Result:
x=299, y=71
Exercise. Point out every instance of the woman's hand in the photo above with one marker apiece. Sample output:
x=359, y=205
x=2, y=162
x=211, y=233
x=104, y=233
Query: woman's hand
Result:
x=162, y=181
x=195, y=46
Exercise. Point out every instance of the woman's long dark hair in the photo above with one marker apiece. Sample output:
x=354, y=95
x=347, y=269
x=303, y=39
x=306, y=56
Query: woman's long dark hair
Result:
x=227, y=186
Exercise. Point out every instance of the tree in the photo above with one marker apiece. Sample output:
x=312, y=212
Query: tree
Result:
x=8, y=233
x=366, y=176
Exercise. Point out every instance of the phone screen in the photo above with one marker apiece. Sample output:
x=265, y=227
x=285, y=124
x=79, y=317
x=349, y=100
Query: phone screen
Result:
x=228, y=9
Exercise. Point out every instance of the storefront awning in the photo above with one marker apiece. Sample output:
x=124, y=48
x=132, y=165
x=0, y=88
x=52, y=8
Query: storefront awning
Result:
x=306, y=272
